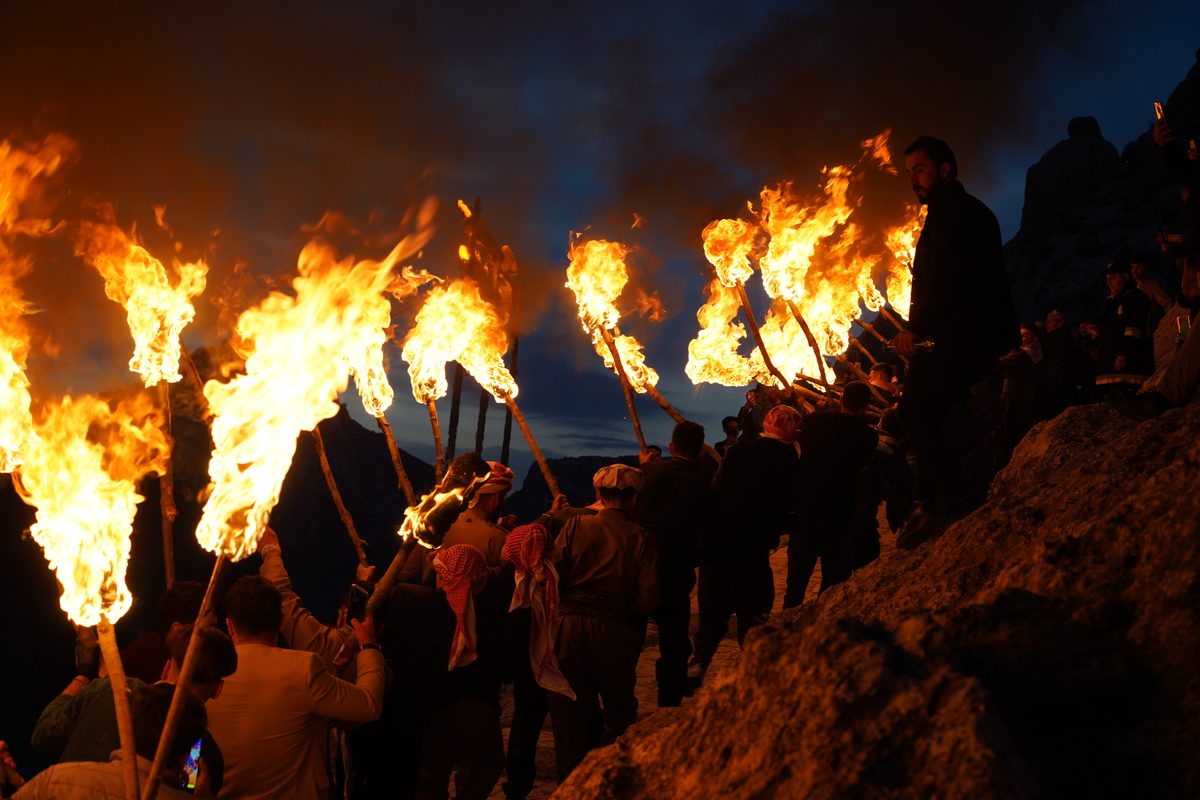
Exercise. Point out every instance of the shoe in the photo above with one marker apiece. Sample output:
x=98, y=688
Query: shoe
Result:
x=1148, y=405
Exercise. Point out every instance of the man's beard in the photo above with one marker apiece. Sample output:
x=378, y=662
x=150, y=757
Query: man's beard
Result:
x=922, y=194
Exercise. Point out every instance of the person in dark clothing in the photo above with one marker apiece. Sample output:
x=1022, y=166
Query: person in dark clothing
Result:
x=674, y=507
x=755, y=489
x=1126, y=347
x=962, y=303
x=834, y=448
x=731, y=429
x=1066, y=365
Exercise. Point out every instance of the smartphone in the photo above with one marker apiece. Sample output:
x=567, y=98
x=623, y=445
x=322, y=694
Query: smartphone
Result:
x=191, y=767
x=356, y=603
x=1158, y=110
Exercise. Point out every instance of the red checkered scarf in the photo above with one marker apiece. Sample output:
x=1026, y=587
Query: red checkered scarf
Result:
x=460, y=574
x=528, y=548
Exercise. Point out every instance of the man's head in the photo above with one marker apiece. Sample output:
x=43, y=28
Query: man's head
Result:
x=489, y=498
x=856, y=396
x=1137, y=269
x=253, y=609
x=1054, y=321
x=1031, y=337
x=730, y=427
x=687, y=440
x=1117, y=276
x=179, y=605
x=930, y=163
x=651, y=454
x=883, y=374
x=617, y=486
x=783, y=423
x=150, y=707
x=216, y=659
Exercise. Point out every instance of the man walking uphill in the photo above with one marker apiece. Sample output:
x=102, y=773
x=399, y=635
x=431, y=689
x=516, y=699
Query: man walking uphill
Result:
x=961, y=302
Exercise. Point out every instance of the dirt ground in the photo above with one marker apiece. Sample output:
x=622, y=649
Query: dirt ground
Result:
x=726, y=656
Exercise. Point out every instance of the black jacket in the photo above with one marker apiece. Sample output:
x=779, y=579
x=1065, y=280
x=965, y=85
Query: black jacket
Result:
x=755, y=496
x=675, y=507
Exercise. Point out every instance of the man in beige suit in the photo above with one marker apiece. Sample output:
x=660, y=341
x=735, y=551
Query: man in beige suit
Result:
x=272, y=717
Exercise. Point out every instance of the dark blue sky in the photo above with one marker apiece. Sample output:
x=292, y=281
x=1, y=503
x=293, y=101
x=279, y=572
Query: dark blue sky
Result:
x=253, y=121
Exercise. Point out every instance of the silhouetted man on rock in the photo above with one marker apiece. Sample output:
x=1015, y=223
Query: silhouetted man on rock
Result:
x=962, y=303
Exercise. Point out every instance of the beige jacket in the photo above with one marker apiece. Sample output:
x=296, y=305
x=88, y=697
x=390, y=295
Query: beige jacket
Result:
x=91, y=780
x=271, y=719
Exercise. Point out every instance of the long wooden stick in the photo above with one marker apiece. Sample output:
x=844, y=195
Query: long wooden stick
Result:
x=894, y=318
x=166, y=486
x=784, y=383
x=812, y=341
x=397, y=462
x=657, y=397
x=343, y=512
x=862, y=376
x=120, y=692
x=625, y=387
x=869, y=328
x=440, y=459
x=863, y=349
x=181, y=687
x=533, y=445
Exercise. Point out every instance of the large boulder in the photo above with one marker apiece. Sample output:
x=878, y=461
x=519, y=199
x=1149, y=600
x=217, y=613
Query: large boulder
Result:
x=1043, y=646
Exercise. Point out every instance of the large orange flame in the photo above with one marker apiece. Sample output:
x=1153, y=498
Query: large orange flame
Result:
x=157, y=306
x=713, y=355
x=902, y=242
x=295, y=350
x=19, y=170
x=81, y=474
x=597, y=275
x=367, y=365
x=456, y=324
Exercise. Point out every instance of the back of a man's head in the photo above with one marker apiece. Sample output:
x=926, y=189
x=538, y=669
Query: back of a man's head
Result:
x=856, y=396
x=150, y=707
x=687, y=440
x=216, y=657
x=181, y=603
x=937, y=150
x=885, y=371
x=254, y=606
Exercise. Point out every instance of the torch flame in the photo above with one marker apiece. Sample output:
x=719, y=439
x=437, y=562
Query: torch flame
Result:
x=713, y=355
x=295, y=350
x=81, y=474
x=902, y=242
x=597, y=275
x=157, y=308
x=457, y=324
x=19, y=169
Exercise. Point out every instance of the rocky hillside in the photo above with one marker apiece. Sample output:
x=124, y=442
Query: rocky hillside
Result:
x=1085, y=205
x=1045, y=646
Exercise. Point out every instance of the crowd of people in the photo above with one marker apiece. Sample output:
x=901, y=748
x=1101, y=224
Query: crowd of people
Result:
x=400, y=696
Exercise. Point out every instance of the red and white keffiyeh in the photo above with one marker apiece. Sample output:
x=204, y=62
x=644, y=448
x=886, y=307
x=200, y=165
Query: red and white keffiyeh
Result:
x=528, y=548
x=461, y=573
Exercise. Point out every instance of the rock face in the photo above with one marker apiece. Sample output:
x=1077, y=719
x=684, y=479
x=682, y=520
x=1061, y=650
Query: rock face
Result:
x=1043, y=646
x=1085, y=206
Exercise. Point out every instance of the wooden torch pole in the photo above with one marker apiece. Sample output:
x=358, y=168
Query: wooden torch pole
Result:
x=343, y=512
x=812, y=341
x=862, y=376
x=440, y=459
x=894, y=318
x=784, y=383
x=625, y=387
x=657, y=397
x=533, y=445
x=166, y=486
x=120, y=692
x=863, y=349
x=397, y=463
x=181, y=687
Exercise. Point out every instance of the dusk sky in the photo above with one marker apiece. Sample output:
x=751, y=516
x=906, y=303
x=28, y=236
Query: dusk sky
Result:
x=249, y=121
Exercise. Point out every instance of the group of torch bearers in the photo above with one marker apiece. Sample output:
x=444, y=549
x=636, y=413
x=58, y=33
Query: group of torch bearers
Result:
x=78, y=463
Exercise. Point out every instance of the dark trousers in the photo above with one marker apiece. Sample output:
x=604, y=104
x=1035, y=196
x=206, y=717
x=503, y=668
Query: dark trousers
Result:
x=599, y=659
x=530, y=707
x=464, y=737
x=828, y=540
x=673, y=617
x=745, y=588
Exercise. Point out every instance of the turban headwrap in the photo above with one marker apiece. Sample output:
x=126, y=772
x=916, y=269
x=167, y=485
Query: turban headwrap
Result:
x=619, y=476
x=783, y=423
x=499, y=479
x=461, y=573
x=528, y=549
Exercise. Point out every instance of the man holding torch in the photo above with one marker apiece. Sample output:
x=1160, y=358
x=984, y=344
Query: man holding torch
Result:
x=962, y=320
